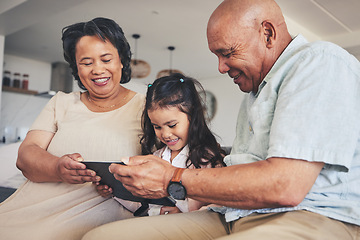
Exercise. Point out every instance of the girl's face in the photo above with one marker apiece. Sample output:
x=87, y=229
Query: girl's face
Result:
x=171, y=126
x=99, y=66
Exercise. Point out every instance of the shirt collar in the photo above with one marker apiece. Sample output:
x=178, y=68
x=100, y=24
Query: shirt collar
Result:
x=297, y=40
x=166, y=155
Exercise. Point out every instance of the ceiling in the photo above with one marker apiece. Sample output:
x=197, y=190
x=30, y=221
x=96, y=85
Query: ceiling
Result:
x=32, y=28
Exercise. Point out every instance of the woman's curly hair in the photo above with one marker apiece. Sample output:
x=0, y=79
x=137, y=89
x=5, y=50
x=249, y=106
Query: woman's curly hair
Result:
x=105, y=29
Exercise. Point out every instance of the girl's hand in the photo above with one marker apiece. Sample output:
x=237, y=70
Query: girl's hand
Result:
x=103, y=190
x=70, y=170
x=169, y=210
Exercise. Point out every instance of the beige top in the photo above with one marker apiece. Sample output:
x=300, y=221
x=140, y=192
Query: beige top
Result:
x=44, y=211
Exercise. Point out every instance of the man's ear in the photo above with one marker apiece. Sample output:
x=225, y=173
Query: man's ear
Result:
x=269, y=33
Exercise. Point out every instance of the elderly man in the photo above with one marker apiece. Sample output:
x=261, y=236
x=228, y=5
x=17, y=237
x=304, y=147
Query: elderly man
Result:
x=294, y=169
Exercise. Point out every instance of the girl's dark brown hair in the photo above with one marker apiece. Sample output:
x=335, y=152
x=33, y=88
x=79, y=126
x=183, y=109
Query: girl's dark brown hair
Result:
x=180, y=91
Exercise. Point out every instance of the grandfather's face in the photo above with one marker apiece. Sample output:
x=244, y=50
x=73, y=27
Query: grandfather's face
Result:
x=241, y=54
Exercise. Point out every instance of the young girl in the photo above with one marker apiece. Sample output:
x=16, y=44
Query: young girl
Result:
x=174, y=123
x=175, y=129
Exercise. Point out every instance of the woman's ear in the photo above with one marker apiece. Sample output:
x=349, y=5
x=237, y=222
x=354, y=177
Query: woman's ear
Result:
x=269, y=33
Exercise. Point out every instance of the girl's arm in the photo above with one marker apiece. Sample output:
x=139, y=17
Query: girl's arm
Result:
x=195, y=205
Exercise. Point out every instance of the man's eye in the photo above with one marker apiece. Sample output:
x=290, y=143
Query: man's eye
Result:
x=227, y=55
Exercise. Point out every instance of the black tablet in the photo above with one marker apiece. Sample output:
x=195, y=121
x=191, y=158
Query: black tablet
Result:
x=107, y=178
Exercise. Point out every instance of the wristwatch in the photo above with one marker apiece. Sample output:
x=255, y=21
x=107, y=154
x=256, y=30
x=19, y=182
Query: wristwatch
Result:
x=175, y=189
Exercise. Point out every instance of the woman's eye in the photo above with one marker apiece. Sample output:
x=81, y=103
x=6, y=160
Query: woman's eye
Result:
x=157, y=127
x=171, y=126
x=106, y=60
x=85, y=63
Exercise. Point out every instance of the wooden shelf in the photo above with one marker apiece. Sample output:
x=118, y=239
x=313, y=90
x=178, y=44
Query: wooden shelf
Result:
x=18, y=90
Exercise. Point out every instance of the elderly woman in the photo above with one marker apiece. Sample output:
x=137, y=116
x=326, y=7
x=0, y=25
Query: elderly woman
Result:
x=101, y=123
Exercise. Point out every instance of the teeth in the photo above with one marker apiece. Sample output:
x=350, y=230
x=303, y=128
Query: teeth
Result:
x=237, y=76
x=101, y=80
x=174, y=140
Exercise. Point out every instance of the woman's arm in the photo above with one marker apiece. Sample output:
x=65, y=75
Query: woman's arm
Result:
x=40, y=166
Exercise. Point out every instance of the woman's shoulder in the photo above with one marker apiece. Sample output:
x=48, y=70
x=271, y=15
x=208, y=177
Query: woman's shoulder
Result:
x=136, y=103
x=67, y=96
x=138, y=98
x=63, y=100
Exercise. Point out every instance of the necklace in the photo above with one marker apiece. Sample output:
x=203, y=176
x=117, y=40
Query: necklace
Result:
x=108, y=107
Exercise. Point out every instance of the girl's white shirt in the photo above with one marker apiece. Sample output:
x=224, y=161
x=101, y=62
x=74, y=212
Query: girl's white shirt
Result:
x=180, y=162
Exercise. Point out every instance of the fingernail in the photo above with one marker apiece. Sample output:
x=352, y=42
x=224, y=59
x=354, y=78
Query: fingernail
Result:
x=80, y=159
x=125, y=160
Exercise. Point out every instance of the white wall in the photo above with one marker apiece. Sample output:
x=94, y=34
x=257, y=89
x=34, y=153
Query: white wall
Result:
x=39, y=72
x=2, y=43
x=295, y=29
x=18, y=111
x=228, y=97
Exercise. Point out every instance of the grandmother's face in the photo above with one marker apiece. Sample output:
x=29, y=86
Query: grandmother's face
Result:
x=99, y=66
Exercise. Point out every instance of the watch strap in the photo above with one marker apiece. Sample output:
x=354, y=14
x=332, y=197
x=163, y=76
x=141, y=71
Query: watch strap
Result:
x=177, y=175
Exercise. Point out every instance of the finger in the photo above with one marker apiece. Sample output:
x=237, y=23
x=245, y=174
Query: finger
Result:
x=86, y=172
x=74, y=164
x=102, y=187
x=137, y=160
x=84, y=179
x=125, y=160
x=118, y=169
x=169, y=210
x=76, y=157
x=164, y=210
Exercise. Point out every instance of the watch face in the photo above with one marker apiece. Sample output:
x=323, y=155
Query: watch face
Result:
x=177, y=190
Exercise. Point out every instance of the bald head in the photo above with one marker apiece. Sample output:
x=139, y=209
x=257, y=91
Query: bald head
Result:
x=247, y=36
x=247, y=14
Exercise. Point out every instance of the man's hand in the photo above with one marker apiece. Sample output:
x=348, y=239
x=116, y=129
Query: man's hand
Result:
x=144, y=176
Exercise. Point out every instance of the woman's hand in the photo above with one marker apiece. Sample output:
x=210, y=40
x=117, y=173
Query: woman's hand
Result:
x=169, y=210
x=144, y=176
x=70, y=169
x=38, y=165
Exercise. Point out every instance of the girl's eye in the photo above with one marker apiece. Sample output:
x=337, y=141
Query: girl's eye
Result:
x=106, y=60
x=172, y=126
x=157, y=127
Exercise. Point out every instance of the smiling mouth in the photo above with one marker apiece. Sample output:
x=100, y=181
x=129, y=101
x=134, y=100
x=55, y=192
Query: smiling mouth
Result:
x=101, y=80
x=172, y=142
x=236, y=78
